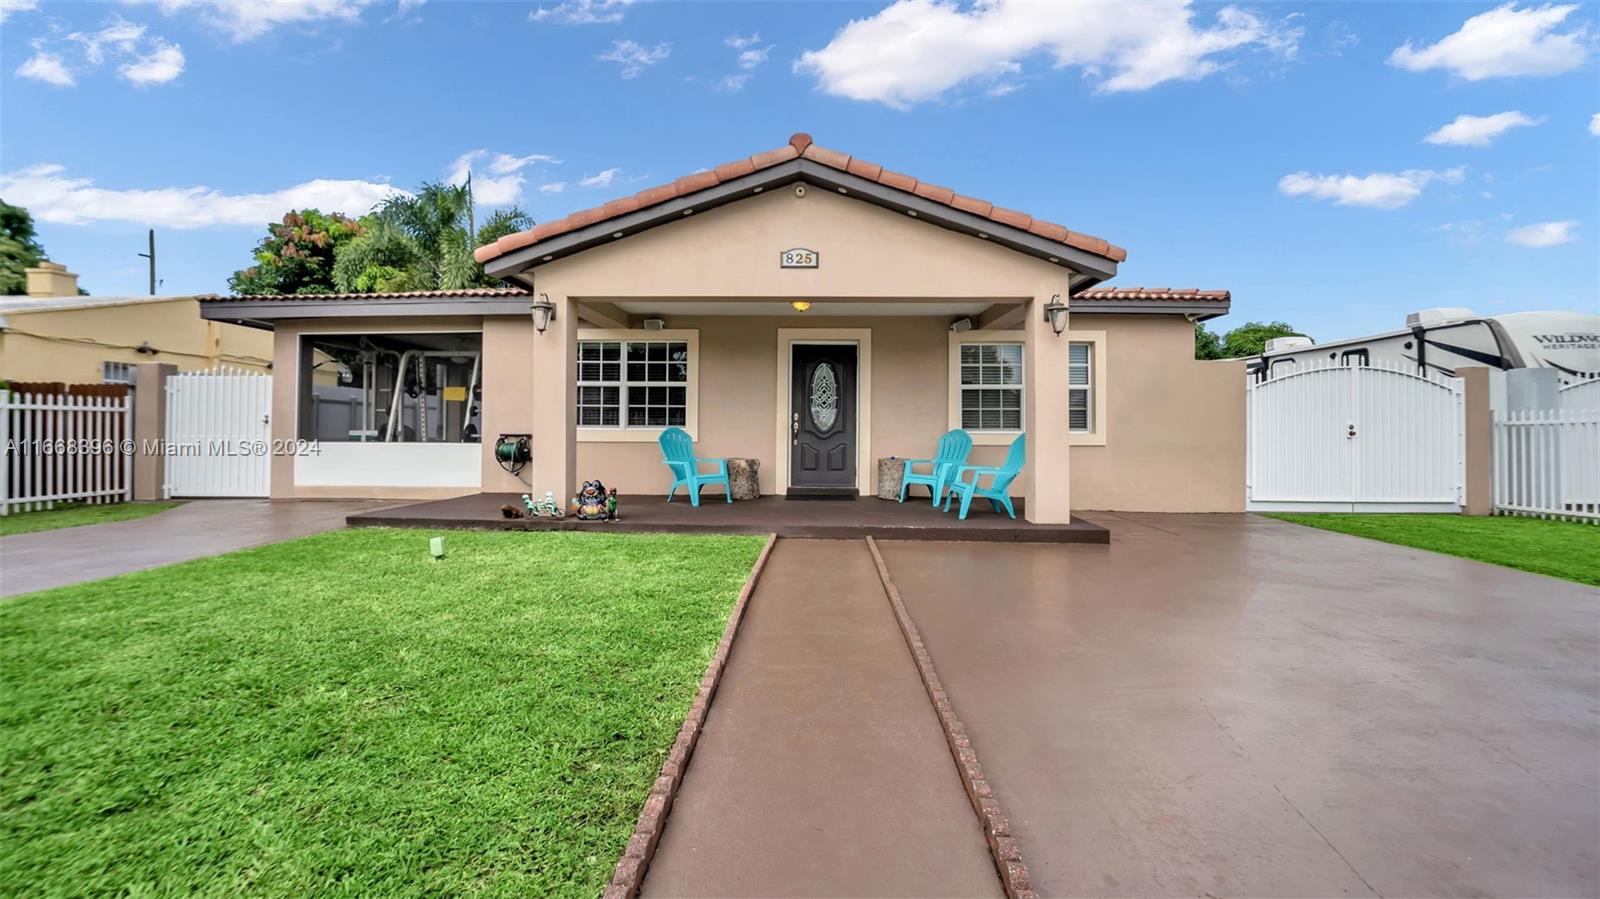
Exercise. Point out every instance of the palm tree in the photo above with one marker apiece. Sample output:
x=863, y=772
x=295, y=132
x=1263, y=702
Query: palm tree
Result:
x=422, y=241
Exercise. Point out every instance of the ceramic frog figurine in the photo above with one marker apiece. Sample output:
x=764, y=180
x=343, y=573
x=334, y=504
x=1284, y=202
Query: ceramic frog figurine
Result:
x=591, y=501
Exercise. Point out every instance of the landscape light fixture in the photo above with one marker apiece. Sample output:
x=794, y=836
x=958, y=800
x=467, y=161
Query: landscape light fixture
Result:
x=1055, y=312
x=544, y=312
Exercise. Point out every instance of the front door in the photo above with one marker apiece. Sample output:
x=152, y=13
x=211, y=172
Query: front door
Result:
x=822, y=417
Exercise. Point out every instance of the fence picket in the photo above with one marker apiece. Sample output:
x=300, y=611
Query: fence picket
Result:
x=58, y=449
x=1547, y=464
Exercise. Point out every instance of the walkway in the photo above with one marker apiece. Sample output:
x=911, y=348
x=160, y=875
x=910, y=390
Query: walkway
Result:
x=822, y=769
x=46, y=559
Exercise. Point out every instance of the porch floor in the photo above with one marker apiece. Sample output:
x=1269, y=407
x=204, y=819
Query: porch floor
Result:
x=865, y=516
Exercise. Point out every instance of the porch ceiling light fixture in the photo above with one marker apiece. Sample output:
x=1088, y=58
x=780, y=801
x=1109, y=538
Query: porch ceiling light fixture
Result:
x=801, y=305
x=544, y=312
x=1055, y=312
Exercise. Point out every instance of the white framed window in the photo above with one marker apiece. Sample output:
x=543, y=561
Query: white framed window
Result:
x=116, y=372
x=1080, y=388
x=630, y=383
x=990, y=379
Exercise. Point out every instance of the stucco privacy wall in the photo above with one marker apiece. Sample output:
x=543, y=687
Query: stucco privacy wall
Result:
x=1175, y=429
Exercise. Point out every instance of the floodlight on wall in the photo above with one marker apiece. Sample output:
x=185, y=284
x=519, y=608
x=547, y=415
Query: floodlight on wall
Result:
x=544, y=312
x=801, y=305
x=1055, y=313
x=655, y=324
x=960, y=325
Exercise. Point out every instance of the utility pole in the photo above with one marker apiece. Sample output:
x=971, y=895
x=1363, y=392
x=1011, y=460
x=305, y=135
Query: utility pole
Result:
x=152, y=257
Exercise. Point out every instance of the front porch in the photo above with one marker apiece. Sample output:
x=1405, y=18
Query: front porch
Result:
x=914, y=519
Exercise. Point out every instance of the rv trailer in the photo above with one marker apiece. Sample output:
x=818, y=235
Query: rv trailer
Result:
x=1441, y=339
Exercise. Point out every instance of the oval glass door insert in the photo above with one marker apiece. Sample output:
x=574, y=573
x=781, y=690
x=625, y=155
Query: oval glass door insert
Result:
x=824, y=397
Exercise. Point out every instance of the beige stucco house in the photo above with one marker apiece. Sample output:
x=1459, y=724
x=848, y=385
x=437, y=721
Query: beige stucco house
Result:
x=801, y=307
x=55, y=335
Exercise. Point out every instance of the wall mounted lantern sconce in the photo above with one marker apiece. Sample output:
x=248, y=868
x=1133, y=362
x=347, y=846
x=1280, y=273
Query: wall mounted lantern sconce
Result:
x=544, y=312
x=1055, y=312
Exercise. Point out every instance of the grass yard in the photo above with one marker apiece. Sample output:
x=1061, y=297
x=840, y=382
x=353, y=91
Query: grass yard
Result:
x=343, y=715
x=77, y=516
x=1561, y=549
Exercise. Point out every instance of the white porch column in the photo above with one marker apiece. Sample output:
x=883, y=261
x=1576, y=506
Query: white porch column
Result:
x=555, y=401
x=1046, y=479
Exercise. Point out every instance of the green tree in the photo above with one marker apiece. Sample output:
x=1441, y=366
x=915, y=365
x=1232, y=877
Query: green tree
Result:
x=297, y=255
x=1249, y=339
x=1207, y=344
x=422, y=241
x=19, y=249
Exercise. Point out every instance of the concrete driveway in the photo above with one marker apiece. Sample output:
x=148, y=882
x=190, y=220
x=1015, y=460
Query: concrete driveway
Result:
x=1235, y=706
x=46, y=559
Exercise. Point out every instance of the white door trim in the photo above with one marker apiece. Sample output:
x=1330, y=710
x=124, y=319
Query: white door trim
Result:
x=862, y=338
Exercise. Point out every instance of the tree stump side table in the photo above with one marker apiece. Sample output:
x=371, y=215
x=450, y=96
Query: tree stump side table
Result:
x=891, y=472
x=744, y=476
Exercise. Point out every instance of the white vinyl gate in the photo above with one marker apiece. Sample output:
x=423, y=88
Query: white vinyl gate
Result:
x=1350, y=438
x=218, y=433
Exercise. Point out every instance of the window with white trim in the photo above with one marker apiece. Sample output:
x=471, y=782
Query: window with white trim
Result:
x=991, y=386
x=1080, y=388
x=116, y=373
x=633, y=383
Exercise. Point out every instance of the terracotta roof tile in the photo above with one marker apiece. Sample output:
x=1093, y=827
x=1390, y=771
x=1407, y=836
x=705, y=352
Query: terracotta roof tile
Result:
x=1153, y=294
x=799, y=145
x=731, y=170
x=974, y=206
x=465, y=292
x=864, y=169
x=897, y=180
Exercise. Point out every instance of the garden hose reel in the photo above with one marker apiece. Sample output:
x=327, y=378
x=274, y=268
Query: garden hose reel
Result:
x=513, y=451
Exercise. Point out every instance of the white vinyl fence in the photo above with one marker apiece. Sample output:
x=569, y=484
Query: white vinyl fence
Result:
x=1547, y=463
x=1353, y=438
x=64, y=447
x=218, y=433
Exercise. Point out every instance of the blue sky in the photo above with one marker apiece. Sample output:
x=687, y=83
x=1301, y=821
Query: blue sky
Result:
x=1313, y=157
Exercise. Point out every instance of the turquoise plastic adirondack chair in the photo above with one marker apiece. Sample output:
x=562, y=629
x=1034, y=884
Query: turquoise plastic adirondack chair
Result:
x=677, y=450
x=1001, y=477
x=951, y=455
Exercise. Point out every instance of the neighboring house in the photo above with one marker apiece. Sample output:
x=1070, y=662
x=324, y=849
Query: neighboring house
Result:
x=53, y=334
x=800, y=307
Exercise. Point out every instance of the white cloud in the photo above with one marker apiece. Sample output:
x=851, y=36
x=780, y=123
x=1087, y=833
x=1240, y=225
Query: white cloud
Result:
x=1378, y=190
x=47, y=67
x=731, y=83
x=553, y=187
x=1479, y=131
x=915, y=50
x=634, y=57
x=53, y=196
x=751, y=53
x=159, y=66
x=600, y=179
x=9, y=8
x=121, y=36
x=1003, y=89
x=1594, y=124
x=502, y=185
x=581, y=12
x=1543, y=234
x=246, y=20
x=1502, y=42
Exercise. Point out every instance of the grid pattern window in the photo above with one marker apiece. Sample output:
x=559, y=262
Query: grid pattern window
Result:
x=116, y=372
x=991, y=386
x=1080, y=388
x=633, y=383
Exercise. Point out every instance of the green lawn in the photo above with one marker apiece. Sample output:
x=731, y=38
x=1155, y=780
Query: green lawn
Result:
x=77, y=515
x=343, y=715
x=1561, y=549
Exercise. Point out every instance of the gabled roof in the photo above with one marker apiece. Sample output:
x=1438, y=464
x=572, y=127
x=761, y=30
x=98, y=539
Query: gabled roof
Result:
x=801, y=159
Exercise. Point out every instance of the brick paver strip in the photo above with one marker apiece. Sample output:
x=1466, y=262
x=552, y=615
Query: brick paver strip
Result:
x=996, y=829
x=629, y=873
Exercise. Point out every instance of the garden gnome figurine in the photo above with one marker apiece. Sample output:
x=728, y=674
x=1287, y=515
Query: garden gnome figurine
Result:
x=611, y=504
